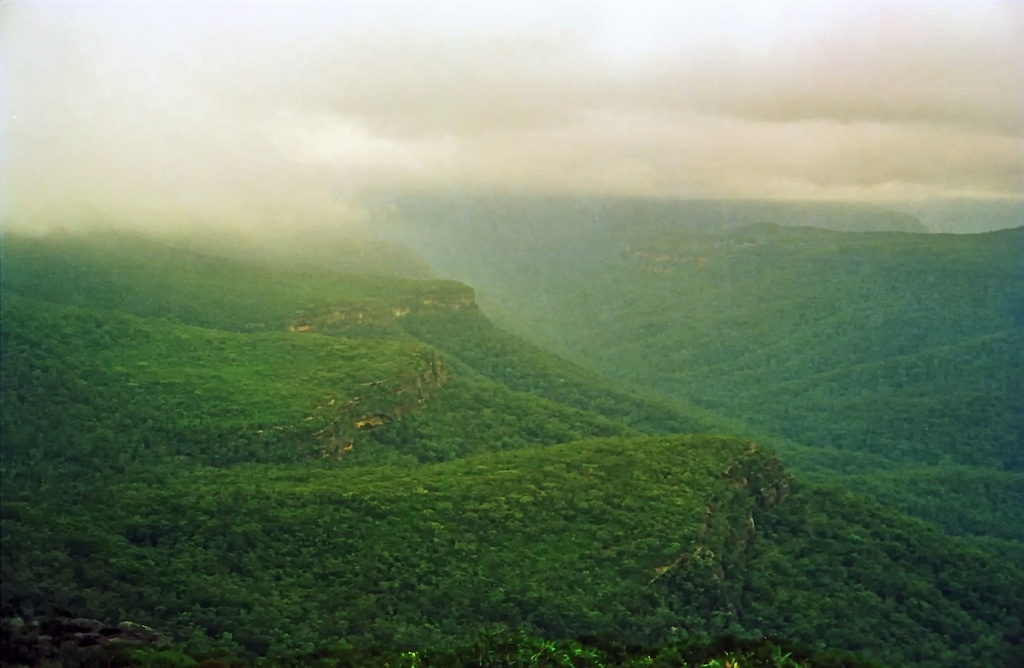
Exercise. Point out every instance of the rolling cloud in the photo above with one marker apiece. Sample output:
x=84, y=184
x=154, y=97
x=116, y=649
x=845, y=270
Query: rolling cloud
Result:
x=255, y=114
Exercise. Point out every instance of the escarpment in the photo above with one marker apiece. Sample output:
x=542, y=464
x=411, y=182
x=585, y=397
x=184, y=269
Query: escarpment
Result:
x=754, y=483
x=377, y=403
x=356, y=317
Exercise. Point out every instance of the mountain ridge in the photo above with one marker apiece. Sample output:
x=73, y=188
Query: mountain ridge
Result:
x=518, y=466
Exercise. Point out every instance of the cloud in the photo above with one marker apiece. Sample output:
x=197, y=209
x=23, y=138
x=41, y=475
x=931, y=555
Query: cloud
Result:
x=101, y=125
x=277, y=114
x=894, y=65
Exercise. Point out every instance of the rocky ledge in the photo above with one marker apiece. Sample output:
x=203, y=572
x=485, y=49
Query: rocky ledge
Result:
x=55, y=640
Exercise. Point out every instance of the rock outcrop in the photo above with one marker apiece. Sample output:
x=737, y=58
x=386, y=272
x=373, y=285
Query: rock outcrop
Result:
x=379, y=403
x=64, y=640
x=351, y=317
x=757, y=483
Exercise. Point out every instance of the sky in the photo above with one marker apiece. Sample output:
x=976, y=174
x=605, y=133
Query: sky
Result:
x=258, y=113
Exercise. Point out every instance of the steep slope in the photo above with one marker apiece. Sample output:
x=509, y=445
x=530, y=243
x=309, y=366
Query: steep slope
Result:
x=886, y=345
x=500, y=243
x=963, y=500
x=203, y=479
x=148, y=278
x=142, y=276
x=841, y=569
x=905, y=345
x=103, y=389
x=542, y=537
x=654, y=539
x=97, y=393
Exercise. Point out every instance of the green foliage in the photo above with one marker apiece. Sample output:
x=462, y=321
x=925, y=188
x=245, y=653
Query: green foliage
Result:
x=842, y=555
x=106, y=391
x=173, y=454
x=471, y=339
x=533, y=537
x=473, y=415
x=964, y=501
x=907, y=346
x=102, y=392
x=147, y=278
x=853, y=354
x=656, y=539
x=497, y=649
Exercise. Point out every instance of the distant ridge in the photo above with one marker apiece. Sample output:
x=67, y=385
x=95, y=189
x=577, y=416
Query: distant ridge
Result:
x=730, y=214
x=966, y=215
x=596, y=214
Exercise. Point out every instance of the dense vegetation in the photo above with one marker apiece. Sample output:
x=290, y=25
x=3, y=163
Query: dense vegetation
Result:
x=24, y=644
x=138, y=276
x=408, y=555
x=901, y=349
x=905, y=345
x=307, y=465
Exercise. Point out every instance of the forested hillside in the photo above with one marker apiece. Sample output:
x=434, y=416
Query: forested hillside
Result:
x=899, y=349
x=137, y=275
x=905, y=345
x=262, y=459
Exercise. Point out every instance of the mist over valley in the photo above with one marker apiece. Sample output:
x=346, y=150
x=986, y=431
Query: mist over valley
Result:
x=364, y=334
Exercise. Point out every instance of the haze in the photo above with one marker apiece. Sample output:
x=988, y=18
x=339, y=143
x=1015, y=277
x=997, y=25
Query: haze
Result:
x=260, y=115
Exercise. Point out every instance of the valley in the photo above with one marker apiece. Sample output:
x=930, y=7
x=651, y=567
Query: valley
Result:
x=267, y=459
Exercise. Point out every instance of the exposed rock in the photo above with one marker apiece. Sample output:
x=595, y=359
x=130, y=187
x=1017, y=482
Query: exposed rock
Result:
x=345, y=317
x=730, y=527
x=379, y=402
x=59, y=640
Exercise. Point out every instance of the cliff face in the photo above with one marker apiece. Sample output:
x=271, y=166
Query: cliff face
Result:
x=378, y=403
x=390, y=398
x=351, y=318
x=755, y=483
